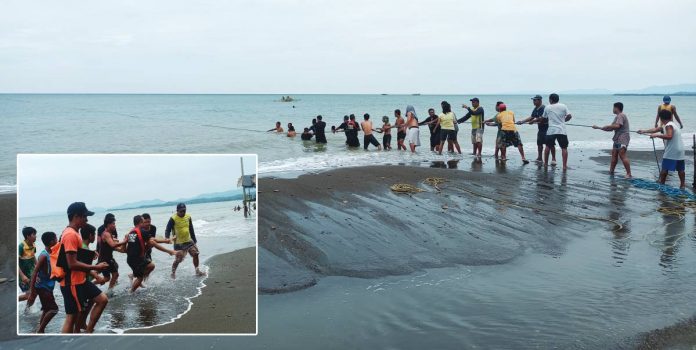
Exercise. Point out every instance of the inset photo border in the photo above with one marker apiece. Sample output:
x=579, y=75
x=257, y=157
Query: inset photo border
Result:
x=137, y=244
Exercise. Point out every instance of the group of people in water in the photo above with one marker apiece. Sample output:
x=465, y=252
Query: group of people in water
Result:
x=69, y=260
x=550, y=119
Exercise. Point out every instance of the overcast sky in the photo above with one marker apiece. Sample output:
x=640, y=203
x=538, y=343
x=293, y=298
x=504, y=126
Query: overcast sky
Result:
x=49, y=183
x=298, y=46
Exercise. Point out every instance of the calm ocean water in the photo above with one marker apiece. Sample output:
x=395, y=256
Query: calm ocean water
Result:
x=235, y=124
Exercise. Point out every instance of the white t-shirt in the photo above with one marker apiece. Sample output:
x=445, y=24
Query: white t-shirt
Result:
x=674, y=148
x=556, y=114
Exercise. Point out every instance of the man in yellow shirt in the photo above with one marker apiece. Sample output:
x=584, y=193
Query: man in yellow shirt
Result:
x=510, y=136
x=184, y=238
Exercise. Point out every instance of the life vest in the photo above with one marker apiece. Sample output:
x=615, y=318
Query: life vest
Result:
x=666, y=107
x=140, y=238
x=181, y=228
x=59, y=262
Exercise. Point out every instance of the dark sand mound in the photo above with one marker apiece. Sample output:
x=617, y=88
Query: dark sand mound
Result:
x=348, y=222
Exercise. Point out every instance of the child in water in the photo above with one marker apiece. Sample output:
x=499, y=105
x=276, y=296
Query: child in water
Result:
x=386, y=129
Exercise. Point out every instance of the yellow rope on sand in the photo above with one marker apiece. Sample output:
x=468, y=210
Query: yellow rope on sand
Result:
x=405, y=188
x=408, y=188
x=434, y=181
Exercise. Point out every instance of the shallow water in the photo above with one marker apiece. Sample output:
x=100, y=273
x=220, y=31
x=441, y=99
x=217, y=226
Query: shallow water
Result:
x=218, y=230
x=235, y=124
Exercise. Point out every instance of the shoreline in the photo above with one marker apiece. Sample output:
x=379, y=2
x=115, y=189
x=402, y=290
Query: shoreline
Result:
x=226, y=303
x=8, y=289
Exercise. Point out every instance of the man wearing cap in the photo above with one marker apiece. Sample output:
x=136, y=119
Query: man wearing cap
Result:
x=184, y=238
x=475, y=112
x=537, y=118
x=556, y=114
x=667, y=105
x=77, y=291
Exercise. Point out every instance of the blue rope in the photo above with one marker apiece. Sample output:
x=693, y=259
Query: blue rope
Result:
x=666, y=189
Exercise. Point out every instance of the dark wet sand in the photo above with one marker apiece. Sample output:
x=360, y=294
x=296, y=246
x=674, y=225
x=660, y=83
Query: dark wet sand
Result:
x=8, y=227
x=228, y=301
x=323, y=225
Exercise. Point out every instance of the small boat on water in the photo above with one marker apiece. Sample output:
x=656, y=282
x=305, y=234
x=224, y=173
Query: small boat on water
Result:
x=287, y=99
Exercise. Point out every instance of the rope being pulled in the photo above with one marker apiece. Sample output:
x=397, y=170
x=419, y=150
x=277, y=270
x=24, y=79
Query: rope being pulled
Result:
x=666, y=189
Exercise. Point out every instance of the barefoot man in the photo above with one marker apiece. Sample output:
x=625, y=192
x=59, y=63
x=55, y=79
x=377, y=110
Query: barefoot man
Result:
x=180, y=226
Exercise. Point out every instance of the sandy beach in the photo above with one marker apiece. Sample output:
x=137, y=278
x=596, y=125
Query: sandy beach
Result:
x=8, y=225
x=227, y=303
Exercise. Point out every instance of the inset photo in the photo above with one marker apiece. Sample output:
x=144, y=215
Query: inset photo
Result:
x=137, y=244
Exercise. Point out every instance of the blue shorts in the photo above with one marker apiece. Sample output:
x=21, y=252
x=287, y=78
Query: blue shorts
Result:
x=673, y=165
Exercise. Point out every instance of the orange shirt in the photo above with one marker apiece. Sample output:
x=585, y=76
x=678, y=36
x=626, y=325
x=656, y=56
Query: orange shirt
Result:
x=72, y=241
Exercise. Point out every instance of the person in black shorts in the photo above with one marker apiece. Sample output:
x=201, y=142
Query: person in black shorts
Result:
x=136, y=248
x=434, y=127
x=400, y=125
x=109, y=243
x=149, y=232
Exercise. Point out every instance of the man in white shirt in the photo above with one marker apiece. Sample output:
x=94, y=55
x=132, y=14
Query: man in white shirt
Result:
x=557, y=115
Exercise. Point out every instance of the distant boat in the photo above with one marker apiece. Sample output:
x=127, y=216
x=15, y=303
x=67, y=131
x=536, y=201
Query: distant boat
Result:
x=415, y=94
x=384, y=94
x=287, y=99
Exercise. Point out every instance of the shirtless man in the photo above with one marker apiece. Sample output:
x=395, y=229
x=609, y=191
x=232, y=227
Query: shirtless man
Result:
x=367, y=129
x=278, y=128
x=400, y=125
x=413, y=133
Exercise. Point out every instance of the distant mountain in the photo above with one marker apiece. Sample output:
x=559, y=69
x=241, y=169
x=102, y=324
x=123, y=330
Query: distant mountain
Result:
x=586, y=92
x=231, y=195
x=663, y=90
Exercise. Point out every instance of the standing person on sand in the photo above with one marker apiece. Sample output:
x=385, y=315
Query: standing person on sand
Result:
x=369, y=138
x=413, y=132
x=499, y=134
x=557, y=115
x=510, y=137
x=673, y=158
x=667, y=105
x=181, y=226
x=537, y=118
x=446, y=122
x=475, y=113
x=622, y=136
x=431, y=122
x=400, y=125
x=76, y=290
x=319, y=130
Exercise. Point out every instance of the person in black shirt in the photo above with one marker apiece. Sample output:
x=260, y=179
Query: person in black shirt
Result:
x=319, y=127
x=108, y=244
x=343, y=127
x=537, y=117
x=136, y=248
x=434, y=127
